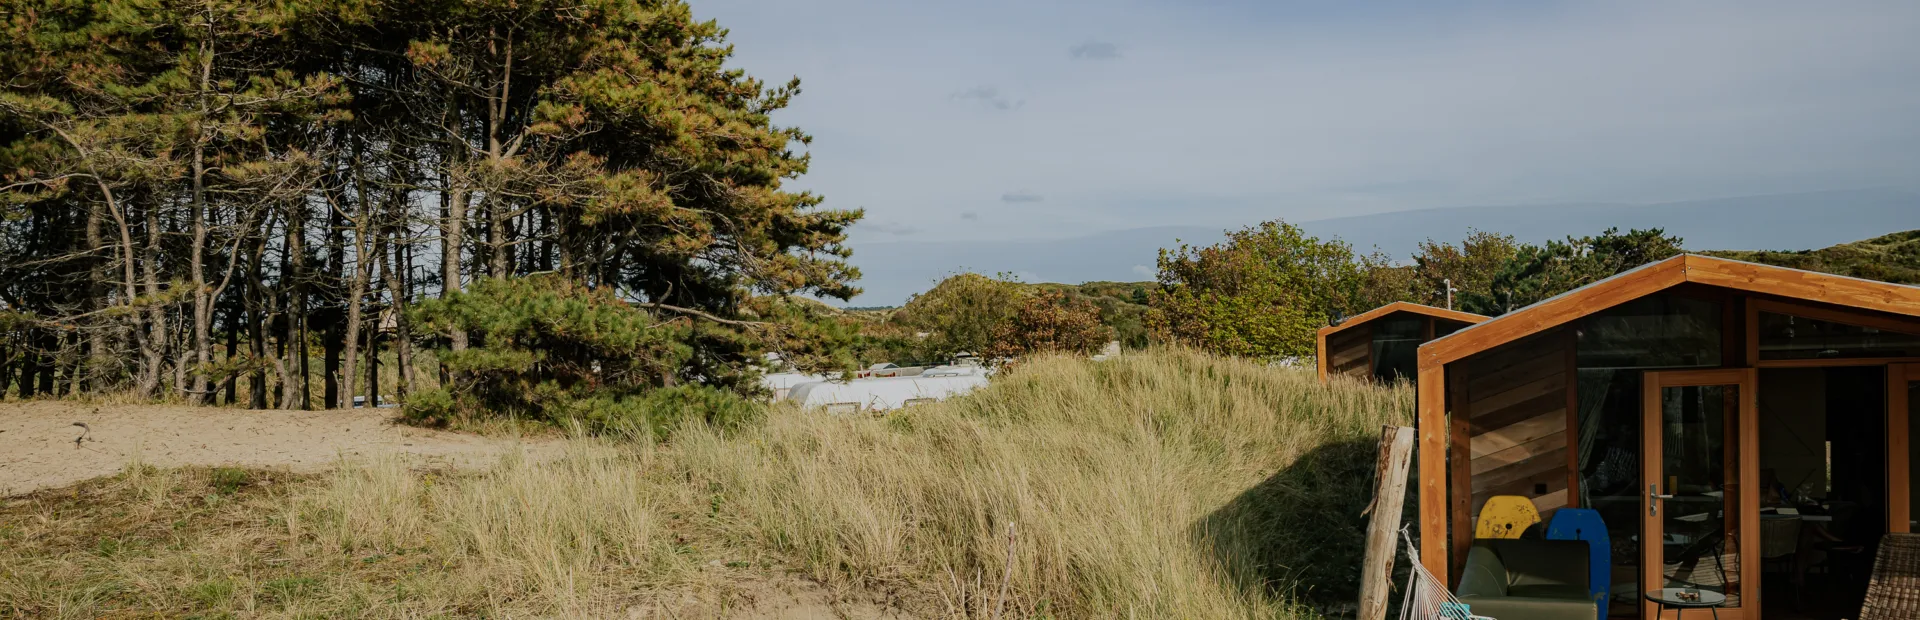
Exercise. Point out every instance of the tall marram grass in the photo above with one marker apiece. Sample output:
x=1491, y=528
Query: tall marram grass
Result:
x=1168, y=484
x=1171, y=484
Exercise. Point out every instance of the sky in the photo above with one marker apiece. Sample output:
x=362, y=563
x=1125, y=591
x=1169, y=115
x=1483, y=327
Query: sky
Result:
x=990, y=119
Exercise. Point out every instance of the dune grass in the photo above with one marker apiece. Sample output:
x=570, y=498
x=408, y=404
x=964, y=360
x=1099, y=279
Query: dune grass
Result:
x=1169, y=484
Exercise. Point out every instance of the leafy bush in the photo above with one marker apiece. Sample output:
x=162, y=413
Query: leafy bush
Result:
x=1469, y=267
x=962, y=313
x=1051, y=322
x=1265, y=290
x=546, y=348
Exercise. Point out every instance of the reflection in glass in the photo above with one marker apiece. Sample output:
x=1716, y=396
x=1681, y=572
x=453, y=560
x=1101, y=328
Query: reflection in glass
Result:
x=1612, y=349
x=1700, y=519
x=1396, y=342
x=1610, y=473
x=1656, y=331
x=1788, y=337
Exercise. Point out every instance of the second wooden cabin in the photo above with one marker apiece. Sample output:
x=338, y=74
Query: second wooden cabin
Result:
x=1381, y=343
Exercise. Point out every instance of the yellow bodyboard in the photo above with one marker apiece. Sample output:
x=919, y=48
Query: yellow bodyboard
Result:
x=1505, y=516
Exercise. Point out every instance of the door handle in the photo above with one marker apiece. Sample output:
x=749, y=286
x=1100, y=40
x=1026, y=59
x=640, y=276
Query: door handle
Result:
x=1653, y=494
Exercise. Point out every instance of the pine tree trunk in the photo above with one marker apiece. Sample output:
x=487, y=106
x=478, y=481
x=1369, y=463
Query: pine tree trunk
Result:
x=334, y=339
x=364, y=259
x=256, y=326
x=6, y=366
x=157, y=315
x=384, y=274
x=232, y=385
x=296, y=247
x=48, y=364
x=400, y=264
x=96, y=360
x=373, y=367
x=453, y=224
x=196, y=390
x=330, y=366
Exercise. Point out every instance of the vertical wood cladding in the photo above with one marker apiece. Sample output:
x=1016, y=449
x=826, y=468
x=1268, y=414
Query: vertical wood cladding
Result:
x=1516, y=416
x=1350, y=352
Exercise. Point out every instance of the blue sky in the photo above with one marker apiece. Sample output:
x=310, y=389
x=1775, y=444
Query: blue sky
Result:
x=987, y=119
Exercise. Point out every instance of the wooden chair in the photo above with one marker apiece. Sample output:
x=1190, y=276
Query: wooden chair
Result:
x=1894, y=591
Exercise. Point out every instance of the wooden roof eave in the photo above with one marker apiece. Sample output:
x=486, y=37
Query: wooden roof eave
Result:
x=1557, y=310
x=1804, y=285
x=1403, y=306
x=1658, y=276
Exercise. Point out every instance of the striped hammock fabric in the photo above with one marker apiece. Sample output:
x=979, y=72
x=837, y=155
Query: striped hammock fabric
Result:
x=1427, y=598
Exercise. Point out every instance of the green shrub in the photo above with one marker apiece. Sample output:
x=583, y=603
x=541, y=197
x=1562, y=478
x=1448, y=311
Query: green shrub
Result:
x=545, y=348
x=657, y=412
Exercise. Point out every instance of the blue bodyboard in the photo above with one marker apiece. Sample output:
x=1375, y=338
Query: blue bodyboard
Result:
x=1585, y=524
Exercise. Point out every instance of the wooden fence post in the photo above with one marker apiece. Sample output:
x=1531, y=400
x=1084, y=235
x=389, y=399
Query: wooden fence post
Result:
x=1383, y=530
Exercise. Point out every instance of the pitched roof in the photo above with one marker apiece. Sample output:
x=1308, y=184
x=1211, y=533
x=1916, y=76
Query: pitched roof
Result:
x=1401, y=306
x=1658, y=276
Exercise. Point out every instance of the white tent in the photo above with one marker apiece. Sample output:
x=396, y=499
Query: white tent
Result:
x=882, y=394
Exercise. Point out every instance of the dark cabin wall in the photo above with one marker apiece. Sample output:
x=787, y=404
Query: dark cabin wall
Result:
x=1513, y=401
x=1348, y=352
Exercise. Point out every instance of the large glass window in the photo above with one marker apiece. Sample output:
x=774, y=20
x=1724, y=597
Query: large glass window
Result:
x=1612, y=348
x=1699, y=479
x=1657, y=331
x=1396, y=342
x=1788, y=337
x=1823, y=479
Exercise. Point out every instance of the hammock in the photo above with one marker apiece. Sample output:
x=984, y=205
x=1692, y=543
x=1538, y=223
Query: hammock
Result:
x=1427, y=598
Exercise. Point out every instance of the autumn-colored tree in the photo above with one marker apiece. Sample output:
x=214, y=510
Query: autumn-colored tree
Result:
x=1048, y=322
x=1469, y=267
x=1262, y=292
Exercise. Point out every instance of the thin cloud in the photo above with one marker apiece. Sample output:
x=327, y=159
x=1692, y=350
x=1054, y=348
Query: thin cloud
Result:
x=1094, y=50
x=1021, y=196
x=988, y=96
x=970, y=216
x=890, y=228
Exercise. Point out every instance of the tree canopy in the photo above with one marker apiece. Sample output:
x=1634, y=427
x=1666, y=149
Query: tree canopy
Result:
x=1264, y=291
x=287, y=175
x=1535, y=273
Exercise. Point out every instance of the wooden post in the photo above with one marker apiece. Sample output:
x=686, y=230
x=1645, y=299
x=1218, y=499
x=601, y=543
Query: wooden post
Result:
x=1434, y=436
x=1383, y=531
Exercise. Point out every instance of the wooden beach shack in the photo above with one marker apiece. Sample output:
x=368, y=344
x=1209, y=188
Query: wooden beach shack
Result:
x=1382, y=343
x=1730, y=412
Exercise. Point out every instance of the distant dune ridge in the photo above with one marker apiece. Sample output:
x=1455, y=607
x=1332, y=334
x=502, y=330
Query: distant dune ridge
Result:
x=892, y=271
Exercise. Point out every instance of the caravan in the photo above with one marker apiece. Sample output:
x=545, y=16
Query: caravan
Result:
x=882, y=394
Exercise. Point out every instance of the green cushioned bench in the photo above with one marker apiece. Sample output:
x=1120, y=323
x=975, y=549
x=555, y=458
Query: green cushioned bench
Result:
x=1527, y=580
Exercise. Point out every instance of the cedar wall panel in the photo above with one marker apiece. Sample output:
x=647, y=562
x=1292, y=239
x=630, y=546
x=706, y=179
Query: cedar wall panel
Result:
x=1516, y=413
x=1349, y=352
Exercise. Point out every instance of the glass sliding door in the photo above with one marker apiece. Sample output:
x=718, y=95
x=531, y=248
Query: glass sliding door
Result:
x=1698, y=459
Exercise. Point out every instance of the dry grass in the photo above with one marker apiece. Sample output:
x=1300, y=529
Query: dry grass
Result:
x=1163, y=485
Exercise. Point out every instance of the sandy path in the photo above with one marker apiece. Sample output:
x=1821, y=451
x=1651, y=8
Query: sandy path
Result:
x=37, y=448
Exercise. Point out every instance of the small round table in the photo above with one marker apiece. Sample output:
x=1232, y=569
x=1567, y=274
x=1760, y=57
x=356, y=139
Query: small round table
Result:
x=1670, y=598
